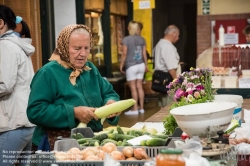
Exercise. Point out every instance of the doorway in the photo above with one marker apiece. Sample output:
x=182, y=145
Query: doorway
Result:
x=181, y=13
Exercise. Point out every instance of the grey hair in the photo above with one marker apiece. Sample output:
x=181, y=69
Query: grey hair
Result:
x=81, y=31
x=171, y=29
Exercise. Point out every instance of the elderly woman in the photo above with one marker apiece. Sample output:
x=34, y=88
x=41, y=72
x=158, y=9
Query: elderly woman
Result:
x=68, y=89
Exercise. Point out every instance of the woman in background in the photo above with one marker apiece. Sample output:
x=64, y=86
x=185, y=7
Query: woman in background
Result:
x=16, y=72
x=134, y=61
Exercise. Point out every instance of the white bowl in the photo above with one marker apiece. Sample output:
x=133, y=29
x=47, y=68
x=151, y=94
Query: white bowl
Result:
x=203, y=118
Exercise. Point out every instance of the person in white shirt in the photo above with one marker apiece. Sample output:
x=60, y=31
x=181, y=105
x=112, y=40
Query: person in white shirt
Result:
x=167, y=58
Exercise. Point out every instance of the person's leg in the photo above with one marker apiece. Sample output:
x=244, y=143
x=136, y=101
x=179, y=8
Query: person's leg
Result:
x=134, y=93
x=160, y=97
x=139, y=86
x=12, y=143
x=131, y=79
x=141, y=95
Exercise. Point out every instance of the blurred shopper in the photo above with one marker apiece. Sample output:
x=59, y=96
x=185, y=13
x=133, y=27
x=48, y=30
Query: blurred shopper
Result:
x=166, y=59
x=16, y=72
x=246, y=32
x=134, y=64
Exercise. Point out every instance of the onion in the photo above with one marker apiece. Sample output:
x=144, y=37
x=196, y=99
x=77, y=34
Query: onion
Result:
x=74, y=151
x=92, y=157
x=140, y=153
x=61, y=156
x=101, y=154
x=117, y=155
x=109, y=147
x=89, y=151
x=131, y=158
x=128, y=151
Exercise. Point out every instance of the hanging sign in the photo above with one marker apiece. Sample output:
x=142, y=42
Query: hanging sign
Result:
x=205, y=6
x=144, y=4
x=231, y=38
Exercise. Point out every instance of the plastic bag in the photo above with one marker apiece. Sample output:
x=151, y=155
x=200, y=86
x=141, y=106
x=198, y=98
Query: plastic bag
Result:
x=195, y=159
x=191, y=145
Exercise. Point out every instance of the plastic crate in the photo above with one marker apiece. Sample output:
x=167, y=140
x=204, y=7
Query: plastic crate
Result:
x=49, y=160
x=65, y=145
x=85, y=131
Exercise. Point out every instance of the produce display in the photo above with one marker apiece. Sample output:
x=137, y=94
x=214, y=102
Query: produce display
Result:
x=120, y=135
x=98, y=153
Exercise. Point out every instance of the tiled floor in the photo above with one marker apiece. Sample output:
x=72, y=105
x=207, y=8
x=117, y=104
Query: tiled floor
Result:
x=151, y=107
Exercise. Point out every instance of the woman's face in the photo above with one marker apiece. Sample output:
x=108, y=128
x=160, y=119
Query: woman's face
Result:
x=79, y=48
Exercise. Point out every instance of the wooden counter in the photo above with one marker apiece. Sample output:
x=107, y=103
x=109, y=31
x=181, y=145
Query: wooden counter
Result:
x=158, y=116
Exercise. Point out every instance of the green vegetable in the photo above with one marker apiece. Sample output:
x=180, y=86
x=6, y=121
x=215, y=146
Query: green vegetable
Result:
x=97, y=143
x=73, y=136
x=121, y=137
x=83, y=140
x=156, y=142
x=79, y=136
x=119, y=143
x=119, y=130
x=100, y=137
x=143, y=143
x=159, y=136
x=108, y=140
x=124, y=143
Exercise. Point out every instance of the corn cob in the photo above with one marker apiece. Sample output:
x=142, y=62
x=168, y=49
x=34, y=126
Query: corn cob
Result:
x=113, y=108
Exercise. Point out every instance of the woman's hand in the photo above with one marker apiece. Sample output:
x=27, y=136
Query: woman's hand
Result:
x=85, y=114
x=115, y=114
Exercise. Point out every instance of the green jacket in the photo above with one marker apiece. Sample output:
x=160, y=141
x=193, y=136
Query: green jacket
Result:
x=53, y=98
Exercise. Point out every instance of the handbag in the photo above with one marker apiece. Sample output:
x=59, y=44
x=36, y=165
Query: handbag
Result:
x=160, y=80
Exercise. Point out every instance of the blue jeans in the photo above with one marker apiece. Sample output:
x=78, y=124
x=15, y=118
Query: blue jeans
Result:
x=16, y=144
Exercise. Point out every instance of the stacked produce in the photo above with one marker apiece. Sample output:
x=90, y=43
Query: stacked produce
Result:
x=120, y=136
x=98, y=153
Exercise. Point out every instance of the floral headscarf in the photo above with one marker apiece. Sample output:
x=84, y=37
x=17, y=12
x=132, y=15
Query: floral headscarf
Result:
x=61, y=52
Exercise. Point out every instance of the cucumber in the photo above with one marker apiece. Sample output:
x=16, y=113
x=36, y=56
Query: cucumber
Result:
x=146, y=133
x=108, y=140
x=138, y=132
x=85, y=144
x=83, y=140
x=124, y=142
x=156, y=142
x=79, y=136
x=132, y=132
x=100, y=137
x=92, y=141
x=97, y=143
x=119, y=143
x=110, y=131
x=121, y=137
x=128, y=144
x=143, y=143
x=159, y=136
x=119, y=130
x=73, y=136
